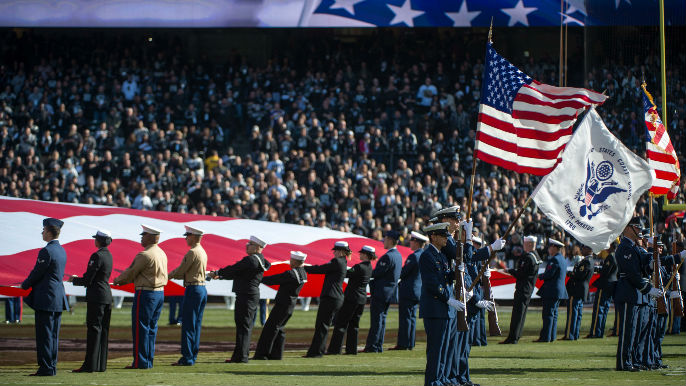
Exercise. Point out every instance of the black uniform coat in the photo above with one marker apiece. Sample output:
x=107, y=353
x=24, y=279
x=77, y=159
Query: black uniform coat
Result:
x=246, y=274
x=335, y=271
x=97, y=277
x=526, y=272
x=579, y=279
x=290, y=283
x=607, y=277
x=358, y=278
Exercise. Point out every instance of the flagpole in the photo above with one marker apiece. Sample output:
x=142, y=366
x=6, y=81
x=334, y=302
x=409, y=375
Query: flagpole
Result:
x=663, y=71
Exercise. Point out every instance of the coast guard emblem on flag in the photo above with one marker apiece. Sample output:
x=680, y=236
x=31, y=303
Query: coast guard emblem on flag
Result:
x=597, y=188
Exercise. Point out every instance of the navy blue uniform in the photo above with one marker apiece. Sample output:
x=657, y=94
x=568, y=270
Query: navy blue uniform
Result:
x=13, y=310
x=347, y=321
x=577, y=290
x=552, y=290
x=605, y=291
x=526, y=272
x=409, y=291
x=438, y=316
x=48, y=299
x=383, y=289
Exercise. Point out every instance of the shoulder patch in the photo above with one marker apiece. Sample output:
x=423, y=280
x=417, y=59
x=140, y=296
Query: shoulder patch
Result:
x=628, y=257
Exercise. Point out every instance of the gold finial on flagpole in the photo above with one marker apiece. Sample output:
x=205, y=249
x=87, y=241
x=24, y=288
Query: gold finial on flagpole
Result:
x=490, y=32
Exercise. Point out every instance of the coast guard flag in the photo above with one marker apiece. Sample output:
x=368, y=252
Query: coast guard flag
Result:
x=592, y=193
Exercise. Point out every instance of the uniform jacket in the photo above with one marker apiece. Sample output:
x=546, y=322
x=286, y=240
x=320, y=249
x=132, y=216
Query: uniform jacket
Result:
x=526, y=272
x=631, y=285
x=554, y=278
x=193, y=267
x=246, y=274
x=97, y=277
x=607, y=277
x=334, y=273
x=436, y=289
x=579, y=279
x=290, y=283
x=358, y=278
x=410, y=286
x=148, y=269
x=385, y=276
x=45, y=280
x=473, y=259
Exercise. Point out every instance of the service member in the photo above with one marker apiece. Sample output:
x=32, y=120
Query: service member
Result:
x=273, y=337
x=605, y=290
x=409, y=290
x=526, y=272
x=347, y=320
x=331, y=297
x=47, y=297
x=383, y=288
x=148, y=273
x=246, y=275
x=552, y=290
x=192, y=270
x=98, y=303
x=577, y=290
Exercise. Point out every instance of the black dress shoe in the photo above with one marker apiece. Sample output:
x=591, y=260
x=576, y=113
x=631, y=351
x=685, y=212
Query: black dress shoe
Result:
x=312, y=356
x=398, y=348
x=256, y=358
x=541, y=341
x=470, y=383
x=179, y=363
x=81, y=370
x=506, y=341
x=631, y=369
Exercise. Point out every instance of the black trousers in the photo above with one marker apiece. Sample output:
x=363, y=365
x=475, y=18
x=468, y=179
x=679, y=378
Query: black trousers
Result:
x=347, y=323
x=246, y=305
x=325, y=314
x=273, y=336
x=519, y=308
x=98, y=325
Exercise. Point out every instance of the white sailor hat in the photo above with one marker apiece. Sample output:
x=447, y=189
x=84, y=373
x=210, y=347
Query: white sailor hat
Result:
x=476, y=239
x=554, y=242
x=297, y=255
x=150, y=230
x=437, y=229
x=342, y=245
x=193, y=231
x=530, y=238
x=102, y=233
x=368, y=248
x=452, y=212
x=258, y=241
x=418, y=237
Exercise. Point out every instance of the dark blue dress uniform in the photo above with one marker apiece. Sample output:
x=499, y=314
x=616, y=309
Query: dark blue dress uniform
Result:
x=409, y=291
x=551, y=292
x=273, y=337
x=48, y=300
x=99, y=309
x=246, y=275
x=13, y=310
x=383, y=288
x=437, y=314
x=646, y=318
x=347, y=321
x=330, y=301
x=577, y=290
x=605, y=291
x=526, y=272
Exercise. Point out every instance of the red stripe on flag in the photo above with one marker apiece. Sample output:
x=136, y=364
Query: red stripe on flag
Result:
x=511, y=165
x=660, y=157
x=665, y=175
x=659, y=190
x=560, y=104
x=541, y=117
x=520, y=151
x=524, y=133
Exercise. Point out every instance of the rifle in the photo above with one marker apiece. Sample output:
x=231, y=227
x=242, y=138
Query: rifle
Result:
x=493, y=327
x=657, y=277
x=677, y=303
x=460, y=293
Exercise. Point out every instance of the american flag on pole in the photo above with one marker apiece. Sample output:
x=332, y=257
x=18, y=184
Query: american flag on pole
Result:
x=659, y=151
x=524, y=125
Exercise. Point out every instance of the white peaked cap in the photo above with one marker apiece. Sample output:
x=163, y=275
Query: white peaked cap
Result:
x=150, y=230
x=258, y=241
x=341, y=244
x=555, y=242
x=418, y=236
x=102, y=233
x=193, y=231
x=369, y=249
x=532, y=239
x=476, y=239
x=297, y=255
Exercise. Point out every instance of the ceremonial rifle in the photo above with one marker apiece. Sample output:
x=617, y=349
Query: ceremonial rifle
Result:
x=460, y=293
x=657, y=277
x=678, y=302
x=493, y=327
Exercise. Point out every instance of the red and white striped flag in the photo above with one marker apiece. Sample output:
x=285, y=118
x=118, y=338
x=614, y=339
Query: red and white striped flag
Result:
x=524, y=125
x=659, y=151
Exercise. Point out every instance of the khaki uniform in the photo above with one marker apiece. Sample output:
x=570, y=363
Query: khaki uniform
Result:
x=148, y=271
x=193, y=267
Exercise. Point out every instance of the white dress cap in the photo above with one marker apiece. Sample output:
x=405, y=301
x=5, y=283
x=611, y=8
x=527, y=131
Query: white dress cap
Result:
x=150, y=230
x=555, y=243
x=532, y=239
x=258, y=241
x=297, y=255
x=341, y=244
x=476, y=239
x=193, y=231
x=419, y=236
x=368, y=248
x=102, y=233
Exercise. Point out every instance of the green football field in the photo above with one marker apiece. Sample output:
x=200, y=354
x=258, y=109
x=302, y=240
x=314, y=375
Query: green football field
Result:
x=583, y=362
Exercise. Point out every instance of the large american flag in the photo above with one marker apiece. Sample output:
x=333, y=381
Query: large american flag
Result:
x=659, y=151
x=524, y=125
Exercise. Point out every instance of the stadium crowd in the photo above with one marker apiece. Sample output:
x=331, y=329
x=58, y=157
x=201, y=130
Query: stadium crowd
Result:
x=356, y=141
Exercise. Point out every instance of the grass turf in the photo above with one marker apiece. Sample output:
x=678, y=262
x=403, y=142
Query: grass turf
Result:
x=584, y=362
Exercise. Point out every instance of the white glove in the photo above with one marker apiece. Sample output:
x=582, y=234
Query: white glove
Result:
x=487, y=272
x=468, y=226
x=674, y=294
x=683, y=254
x=498, y=245
x=650, y=241
x=677, y=276
x=460, y=267
x=468, y=295
x=655, y=292
x=485, y=304
x=456, y=304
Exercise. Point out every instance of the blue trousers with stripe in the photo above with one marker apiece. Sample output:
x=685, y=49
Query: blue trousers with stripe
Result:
x=378, y=309
x=437, y=342
x=575, y=309
x=47, y=341
x=642, y=342
x=407, y=322
x=627, y=315
x=145, y=313
x=194, y=302
x=549, y=314
x=601, y=306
